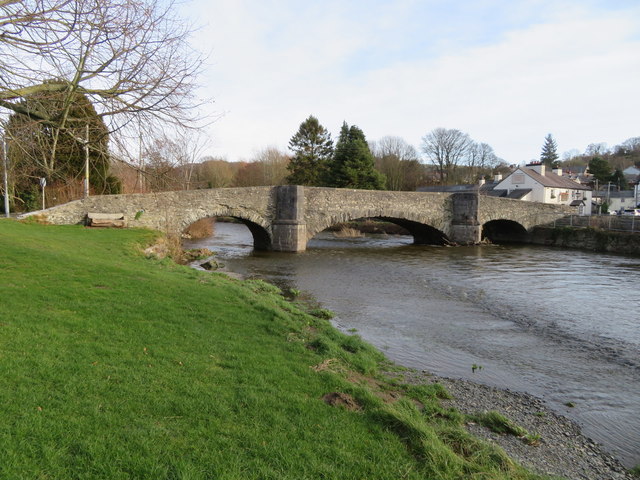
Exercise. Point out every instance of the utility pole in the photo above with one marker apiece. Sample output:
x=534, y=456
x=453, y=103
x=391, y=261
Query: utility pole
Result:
x=6, y=176
x=86, y=163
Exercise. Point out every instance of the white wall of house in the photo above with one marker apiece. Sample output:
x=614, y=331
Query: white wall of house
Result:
x=519, y=179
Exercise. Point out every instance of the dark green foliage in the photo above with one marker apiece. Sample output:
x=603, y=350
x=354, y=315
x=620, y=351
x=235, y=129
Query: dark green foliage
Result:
x=618, y=180
x=312, y=148
x=352, y=165
x=549, y=155
x=600, y=169
x=38, y=150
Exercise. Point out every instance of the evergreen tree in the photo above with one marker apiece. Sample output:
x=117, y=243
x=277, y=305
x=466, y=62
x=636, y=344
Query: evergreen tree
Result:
x=618, y=179
x=549, y=155
x=352, y=165
x=600, y=169
x=312, y=148
x=36, y=149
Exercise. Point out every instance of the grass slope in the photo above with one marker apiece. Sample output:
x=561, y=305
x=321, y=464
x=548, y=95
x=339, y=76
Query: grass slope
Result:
x=113, y=366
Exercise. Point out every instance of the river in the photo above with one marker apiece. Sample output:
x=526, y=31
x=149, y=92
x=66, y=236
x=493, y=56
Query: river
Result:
x=563, y=325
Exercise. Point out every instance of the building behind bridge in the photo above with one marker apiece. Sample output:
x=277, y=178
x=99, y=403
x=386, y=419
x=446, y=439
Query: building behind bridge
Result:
x=532, y=183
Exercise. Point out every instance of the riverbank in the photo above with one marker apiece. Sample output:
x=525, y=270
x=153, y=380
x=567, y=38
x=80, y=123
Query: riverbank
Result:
x=562, y=449
x=113, y=365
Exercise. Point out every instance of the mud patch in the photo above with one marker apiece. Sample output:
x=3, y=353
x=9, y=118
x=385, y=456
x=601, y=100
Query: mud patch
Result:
x=343, y=400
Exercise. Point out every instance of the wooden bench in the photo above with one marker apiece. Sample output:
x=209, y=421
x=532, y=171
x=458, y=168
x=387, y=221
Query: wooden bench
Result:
x=106, y=220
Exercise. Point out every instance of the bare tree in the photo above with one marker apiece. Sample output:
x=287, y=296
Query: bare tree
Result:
x=446, y=148
x=268, y=167
x=170, y=161
x=216, y=172
x=595, y=149
x=274, y=165
x=480, y=156
x=398, y=160
x=131, y=58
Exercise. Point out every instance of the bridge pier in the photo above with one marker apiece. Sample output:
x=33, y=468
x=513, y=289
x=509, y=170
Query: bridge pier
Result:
x=465, y=228
x=289, y=230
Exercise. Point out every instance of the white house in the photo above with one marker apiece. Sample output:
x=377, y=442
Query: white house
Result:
x=632, y=173
x=536, y=183
x=619, y=200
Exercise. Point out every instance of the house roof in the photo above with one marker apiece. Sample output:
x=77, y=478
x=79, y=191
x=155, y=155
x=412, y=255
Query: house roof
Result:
x=485, y=188
x=615, y=194
x=518, y=193
x=550, y=179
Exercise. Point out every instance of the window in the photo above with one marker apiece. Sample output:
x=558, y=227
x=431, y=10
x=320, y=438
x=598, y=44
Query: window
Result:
x=517, y=178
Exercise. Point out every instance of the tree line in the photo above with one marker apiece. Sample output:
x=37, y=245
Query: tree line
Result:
x=312, y=159
x=108, y=88
x=605, y=164
x=69, y=64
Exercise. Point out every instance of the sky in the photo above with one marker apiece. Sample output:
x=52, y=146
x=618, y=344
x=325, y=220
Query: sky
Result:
x=507, y=72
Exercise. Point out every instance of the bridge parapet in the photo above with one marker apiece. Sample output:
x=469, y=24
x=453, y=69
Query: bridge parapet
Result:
x=284, y=218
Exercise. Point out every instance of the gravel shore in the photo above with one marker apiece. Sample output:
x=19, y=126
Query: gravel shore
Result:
x=562, y=451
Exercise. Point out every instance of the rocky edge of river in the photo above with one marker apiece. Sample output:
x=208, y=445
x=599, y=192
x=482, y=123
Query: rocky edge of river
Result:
x=562, y=449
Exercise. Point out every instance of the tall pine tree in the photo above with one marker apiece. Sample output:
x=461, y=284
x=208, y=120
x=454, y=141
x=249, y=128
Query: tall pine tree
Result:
x=549, y=155
x=312, y=148
x=352, y=165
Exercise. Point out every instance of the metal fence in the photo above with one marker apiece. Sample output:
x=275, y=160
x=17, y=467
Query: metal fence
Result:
x=617, y=223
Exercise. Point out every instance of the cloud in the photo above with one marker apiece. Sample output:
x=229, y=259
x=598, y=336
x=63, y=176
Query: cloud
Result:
x=508, y=81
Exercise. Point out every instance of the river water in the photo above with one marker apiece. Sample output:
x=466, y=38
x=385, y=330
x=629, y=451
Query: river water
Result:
x=563, y=325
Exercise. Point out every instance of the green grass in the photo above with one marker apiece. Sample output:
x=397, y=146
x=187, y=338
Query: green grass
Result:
x=114, y=366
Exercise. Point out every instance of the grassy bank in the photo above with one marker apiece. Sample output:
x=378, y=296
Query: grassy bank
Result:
x=115, y=366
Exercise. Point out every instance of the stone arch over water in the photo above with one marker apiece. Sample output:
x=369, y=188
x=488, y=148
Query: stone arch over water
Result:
x=423, y=234
x=504, y=231
x=258, y=226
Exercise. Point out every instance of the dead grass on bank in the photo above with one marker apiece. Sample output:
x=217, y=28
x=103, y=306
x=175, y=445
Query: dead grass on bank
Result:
x=348, y=232
x=202, y=228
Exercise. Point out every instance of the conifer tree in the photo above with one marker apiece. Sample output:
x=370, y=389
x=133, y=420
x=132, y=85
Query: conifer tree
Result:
x=38, y=150
x=600, y=169
x=312, y=148
x=352, y=165
x=549, y=155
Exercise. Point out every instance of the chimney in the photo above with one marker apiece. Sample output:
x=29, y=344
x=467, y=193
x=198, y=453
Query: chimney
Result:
x=481, y=182
x=558, y=171
x=538, y=167
x=497, y=177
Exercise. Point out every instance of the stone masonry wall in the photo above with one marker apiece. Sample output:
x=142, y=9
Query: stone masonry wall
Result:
x=172, y=211
x=271, y=209
x=328, y=206
x=527, y=214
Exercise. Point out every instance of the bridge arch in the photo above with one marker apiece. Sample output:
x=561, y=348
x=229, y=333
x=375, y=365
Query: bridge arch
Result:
x=504, y=231
x=258, y=226
x=423, y=234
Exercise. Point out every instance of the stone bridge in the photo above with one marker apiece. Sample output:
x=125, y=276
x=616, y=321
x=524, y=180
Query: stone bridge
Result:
x=284, y=218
